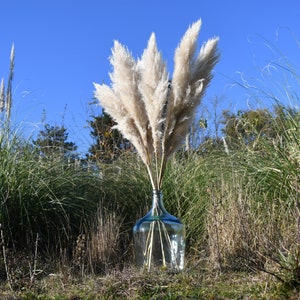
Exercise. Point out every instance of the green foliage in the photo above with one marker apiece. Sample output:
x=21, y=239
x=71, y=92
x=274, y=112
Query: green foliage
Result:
x=52, y=141
x=41, y=197
x=278, y=180
x=252, y=128
x=247, y=127
x=185, y=193
x=253, y=216
x=109, y=143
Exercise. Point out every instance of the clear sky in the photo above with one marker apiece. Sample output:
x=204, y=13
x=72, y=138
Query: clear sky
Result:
x=62, y=47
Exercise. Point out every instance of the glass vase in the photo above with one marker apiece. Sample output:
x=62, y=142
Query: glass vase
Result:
x=159, y=238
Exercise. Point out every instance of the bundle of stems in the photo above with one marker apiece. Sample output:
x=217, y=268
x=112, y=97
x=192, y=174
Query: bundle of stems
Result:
x=153, y=111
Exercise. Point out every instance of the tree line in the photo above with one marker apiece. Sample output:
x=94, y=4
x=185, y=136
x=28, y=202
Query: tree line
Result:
x=245, y=128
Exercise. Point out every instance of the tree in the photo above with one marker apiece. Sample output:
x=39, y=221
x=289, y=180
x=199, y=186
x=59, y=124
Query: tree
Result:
x=109, y=142
x=52, y=141
x=249, y=127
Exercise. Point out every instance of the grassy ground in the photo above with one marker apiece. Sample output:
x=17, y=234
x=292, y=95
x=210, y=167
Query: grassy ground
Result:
x=129, y=283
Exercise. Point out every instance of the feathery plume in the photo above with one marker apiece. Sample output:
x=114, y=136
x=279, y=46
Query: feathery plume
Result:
x=2, y=95
x=190, y=79
x=183, y=59
x=152, y=111
x=125, y=78
x=154, y=89
x=8, y=102
x=126, y=124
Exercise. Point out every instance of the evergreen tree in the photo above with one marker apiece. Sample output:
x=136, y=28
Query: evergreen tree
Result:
x=109, y=142
x=52, y=141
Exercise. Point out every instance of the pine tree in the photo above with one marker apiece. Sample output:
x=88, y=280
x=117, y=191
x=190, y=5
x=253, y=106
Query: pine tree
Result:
x=52, y=142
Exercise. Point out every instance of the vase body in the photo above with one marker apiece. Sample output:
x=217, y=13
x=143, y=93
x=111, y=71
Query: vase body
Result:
x=159, y=238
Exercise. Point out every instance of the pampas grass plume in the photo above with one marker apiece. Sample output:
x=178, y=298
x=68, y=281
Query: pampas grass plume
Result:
x=153, y=111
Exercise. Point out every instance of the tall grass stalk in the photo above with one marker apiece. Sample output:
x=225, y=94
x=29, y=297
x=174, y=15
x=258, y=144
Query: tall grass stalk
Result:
x=6, y=97
x=5, y=261
x=253, y=220
x=41, y=197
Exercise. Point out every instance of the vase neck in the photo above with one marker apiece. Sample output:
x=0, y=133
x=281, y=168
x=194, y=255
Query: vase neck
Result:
x=158, y=207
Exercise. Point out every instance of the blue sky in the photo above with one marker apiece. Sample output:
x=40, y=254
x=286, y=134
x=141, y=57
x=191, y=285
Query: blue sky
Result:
x=62, y=47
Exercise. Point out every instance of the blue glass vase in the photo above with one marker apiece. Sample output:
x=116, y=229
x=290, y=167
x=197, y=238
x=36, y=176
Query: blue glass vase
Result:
x=159, y=238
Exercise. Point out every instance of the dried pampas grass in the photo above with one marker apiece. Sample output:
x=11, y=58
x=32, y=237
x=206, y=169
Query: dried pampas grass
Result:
x=153, y=111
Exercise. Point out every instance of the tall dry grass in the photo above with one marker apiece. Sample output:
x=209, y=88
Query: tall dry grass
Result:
x=253, y=216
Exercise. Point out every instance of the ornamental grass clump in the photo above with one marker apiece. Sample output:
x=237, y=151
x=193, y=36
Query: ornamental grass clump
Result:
x=153, y=111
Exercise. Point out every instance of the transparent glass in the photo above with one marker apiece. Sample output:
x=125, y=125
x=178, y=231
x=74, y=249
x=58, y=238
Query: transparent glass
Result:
x=159, y=238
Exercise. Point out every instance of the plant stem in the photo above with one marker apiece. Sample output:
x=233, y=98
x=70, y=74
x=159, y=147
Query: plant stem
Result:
x=156, y=170
x=162, y=170
x=149, y=253
x=9, y=280
x=172, y=258
x=151, y=177
x=162, y=244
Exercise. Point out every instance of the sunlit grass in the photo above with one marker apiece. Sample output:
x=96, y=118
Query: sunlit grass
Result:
x=40, y=197
x=239, y=209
